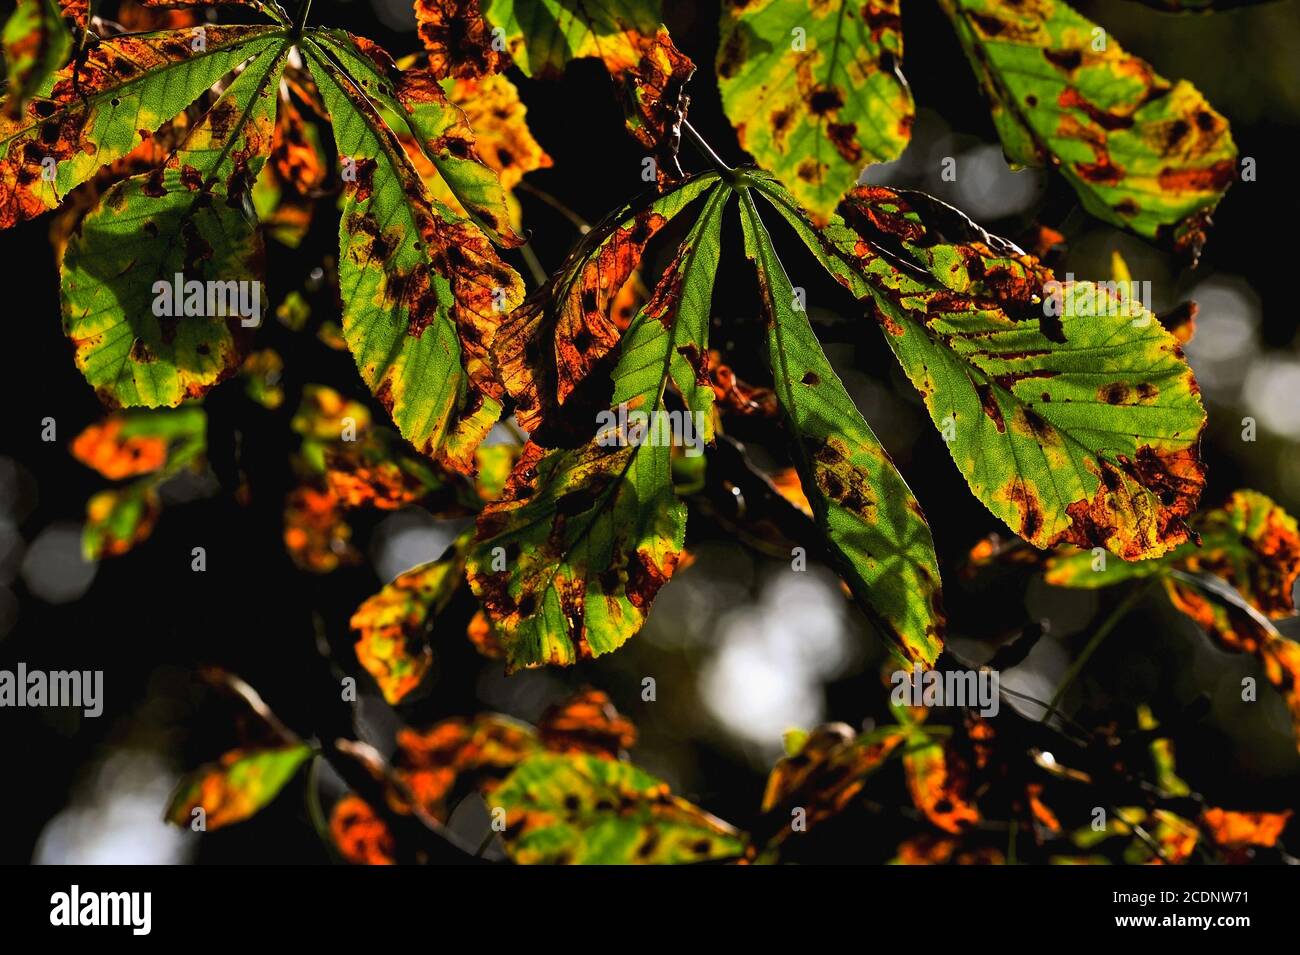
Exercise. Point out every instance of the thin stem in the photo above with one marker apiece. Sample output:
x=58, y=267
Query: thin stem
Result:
x=705, y=148
x=1104, y=631
x=314, y=808
x=578, y=221
x=300, y=23
x=534, y=264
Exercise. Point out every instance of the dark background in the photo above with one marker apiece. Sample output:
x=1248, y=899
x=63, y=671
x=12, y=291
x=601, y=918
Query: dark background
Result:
x=148, y=621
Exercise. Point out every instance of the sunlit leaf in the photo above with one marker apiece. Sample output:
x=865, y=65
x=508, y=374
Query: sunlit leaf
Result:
x=584, y=809
x=1070, y=411
x=316, y=535
x=117, y=520
x=571, y=556
x=586, y=722
x=1234, y=830
x=422, y=289
x=815, y=91
x=458, y=755
x=459, y=41
x=547, y=347
x=1142, y=153
x=158, y=321
x=870, y=519
x=502, y=139
x=360, y=836
x=94, y=110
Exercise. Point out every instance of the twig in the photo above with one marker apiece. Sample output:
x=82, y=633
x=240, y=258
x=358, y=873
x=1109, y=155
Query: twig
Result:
x=705, y=148
x=1102, y=633
x=578, y=221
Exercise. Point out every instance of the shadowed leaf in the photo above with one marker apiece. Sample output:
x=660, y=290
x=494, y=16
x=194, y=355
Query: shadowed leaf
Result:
x=35, y=42
x=543, y=35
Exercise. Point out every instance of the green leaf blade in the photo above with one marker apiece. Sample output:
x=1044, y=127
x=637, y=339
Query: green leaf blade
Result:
x=866, y=510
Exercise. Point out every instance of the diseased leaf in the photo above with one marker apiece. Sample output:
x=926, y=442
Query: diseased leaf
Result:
x=377, y=470
x=422, y=289
x=1250, y=542
x=457, y=756
x=117, y=520
x=163, y=320
x=1238, y=579
x=1236, y=625
x=459, y=40
x=549, y=345
x=92, y=111
x=149, y=445
x=1142, y=153
x=236, y=787
x=35, y=42
x=589, y=535
x=825, y=774
x=1069, y=410
x=263, y=372
x=585, y=809
x=815, y=91
x=938, y=787
x=656, y=102
x=1235, y=830
x=316, y=536
x=502, y=138
x=871, y=521
x=361, y=836
x=587, y=722
x=392, y=626
x=543, y=35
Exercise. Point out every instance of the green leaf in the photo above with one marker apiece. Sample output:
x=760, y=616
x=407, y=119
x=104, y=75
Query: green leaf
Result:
x=142, y=336
x=92, y=112
x=571, y=556
x=585, y=809
x=1081, y=427
x=237, y=787
x=871, y=521
x=815, y=91
x=1142, y=153
x=36, y=43
x=422, y=289
x=543, y=35
x=415, y=100
x=547, y=348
